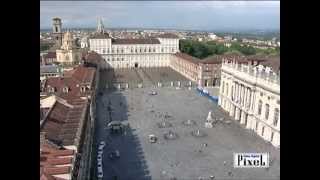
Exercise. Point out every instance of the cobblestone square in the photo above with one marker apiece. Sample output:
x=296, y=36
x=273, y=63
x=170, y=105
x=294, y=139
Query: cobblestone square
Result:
x=186, y=156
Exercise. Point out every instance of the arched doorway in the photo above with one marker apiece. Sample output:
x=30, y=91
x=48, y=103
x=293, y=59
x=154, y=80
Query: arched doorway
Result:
x=136, y=65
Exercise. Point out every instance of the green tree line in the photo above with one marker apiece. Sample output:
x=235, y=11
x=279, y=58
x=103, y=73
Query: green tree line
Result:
x=204, y=49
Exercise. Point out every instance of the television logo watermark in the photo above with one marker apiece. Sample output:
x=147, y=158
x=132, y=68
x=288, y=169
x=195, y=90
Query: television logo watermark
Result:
x=251, y=160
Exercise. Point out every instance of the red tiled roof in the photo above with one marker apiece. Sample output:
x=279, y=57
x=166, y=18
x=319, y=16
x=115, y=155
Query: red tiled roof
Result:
x=136, y=41
x=73, y=80
x=51, y=55
x=169, y=36
x=272, y=61
x=57, y=170
x=45, y=176
x=62, y=123
x=93, y=57
x=187, y=57
x=216, y=59
x=100, y=36
x=59, y=161
x=234, y=56
x=50, y=158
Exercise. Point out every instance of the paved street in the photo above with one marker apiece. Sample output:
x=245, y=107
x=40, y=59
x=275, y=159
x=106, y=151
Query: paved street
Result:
x=183, y=156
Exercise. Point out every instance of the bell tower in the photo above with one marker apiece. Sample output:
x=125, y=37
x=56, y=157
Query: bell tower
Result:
x=57, y=34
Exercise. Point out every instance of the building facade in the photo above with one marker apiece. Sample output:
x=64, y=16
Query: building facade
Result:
x=250, y=92
x=127, y=53
x=205, y=72
x=69, y=53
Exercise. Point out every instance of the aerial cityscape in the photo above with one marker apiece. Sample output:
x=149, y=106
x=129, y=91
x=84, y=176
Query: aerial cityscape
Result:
x=125, y=95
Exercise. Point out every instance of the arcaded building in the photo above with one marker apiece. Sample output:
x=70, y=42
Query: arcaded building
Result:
x=250, y=92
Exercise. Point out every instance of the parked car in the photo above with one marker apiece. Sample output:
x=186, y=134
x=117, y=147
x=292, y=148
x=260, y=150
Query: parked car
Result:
x=101, y=145
x=100, y=172
x=99, y=157
x=100, y=152
x=99, y=162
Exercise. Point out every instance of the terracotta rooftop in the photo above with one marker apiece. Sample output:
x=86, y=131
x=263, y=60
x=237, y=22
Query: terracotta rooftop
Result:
x=234, y=56
x=51, y=55
x=57, y=170
x=136, y=41
x=73, y=81
x=187, y=57
x=99, y=36
x=93, y=57
x=215, y=59
x=63, y=123
x=51, y=157
x=169, y=36
x=273, y=62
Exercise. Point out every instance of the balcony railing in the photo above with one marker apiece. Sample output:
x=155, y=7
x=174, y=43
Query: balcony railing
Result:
x=251, y=72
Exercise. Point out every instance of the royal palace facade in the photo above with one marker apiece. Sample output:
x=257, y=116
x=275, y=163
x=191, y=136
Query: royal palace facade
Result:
x=250, y=93
x=127, y=53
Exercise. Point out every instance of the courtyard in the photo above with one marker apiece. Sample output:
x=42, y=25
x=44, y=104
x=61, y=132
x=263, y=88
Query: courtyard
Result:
x=189, y=151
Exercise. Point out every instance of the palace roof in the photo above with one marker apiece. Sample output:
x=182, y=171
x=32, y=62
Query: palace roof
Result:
x=136, y=41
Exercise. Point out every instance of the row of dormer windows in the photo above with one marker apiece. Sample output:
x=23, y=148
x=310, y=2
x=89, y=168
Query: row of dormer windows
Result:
x=67, y=89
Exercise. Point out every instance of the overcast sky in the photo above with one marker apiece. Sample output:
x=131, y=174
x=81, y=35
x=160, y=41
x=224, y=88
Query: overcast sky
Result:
x=201, y=15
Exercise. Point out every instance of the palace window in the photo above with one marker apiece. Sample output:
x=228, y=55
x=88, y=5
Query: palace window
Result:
x=51, y=89
x=271, y=138
x=267, y=112
x=65, y=89
x=121, y=50
x=222, y=87
x=149, y=49
x=259, y=107
x=262, y=131
x=154, y=49
x=161, y=49
x=145, y=50
x=136, y=50
x=257, y=124
x=227, y=89
x=276, y=117
x=131, y=50
x=82, y=89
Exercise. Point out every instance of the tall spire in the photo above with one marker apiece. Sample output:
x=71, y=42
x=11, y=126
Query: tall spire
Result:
x=100, y=28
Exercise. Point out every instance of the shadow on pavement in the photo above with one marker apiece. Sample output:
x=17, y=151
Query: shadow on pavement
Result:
x=131, y=164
